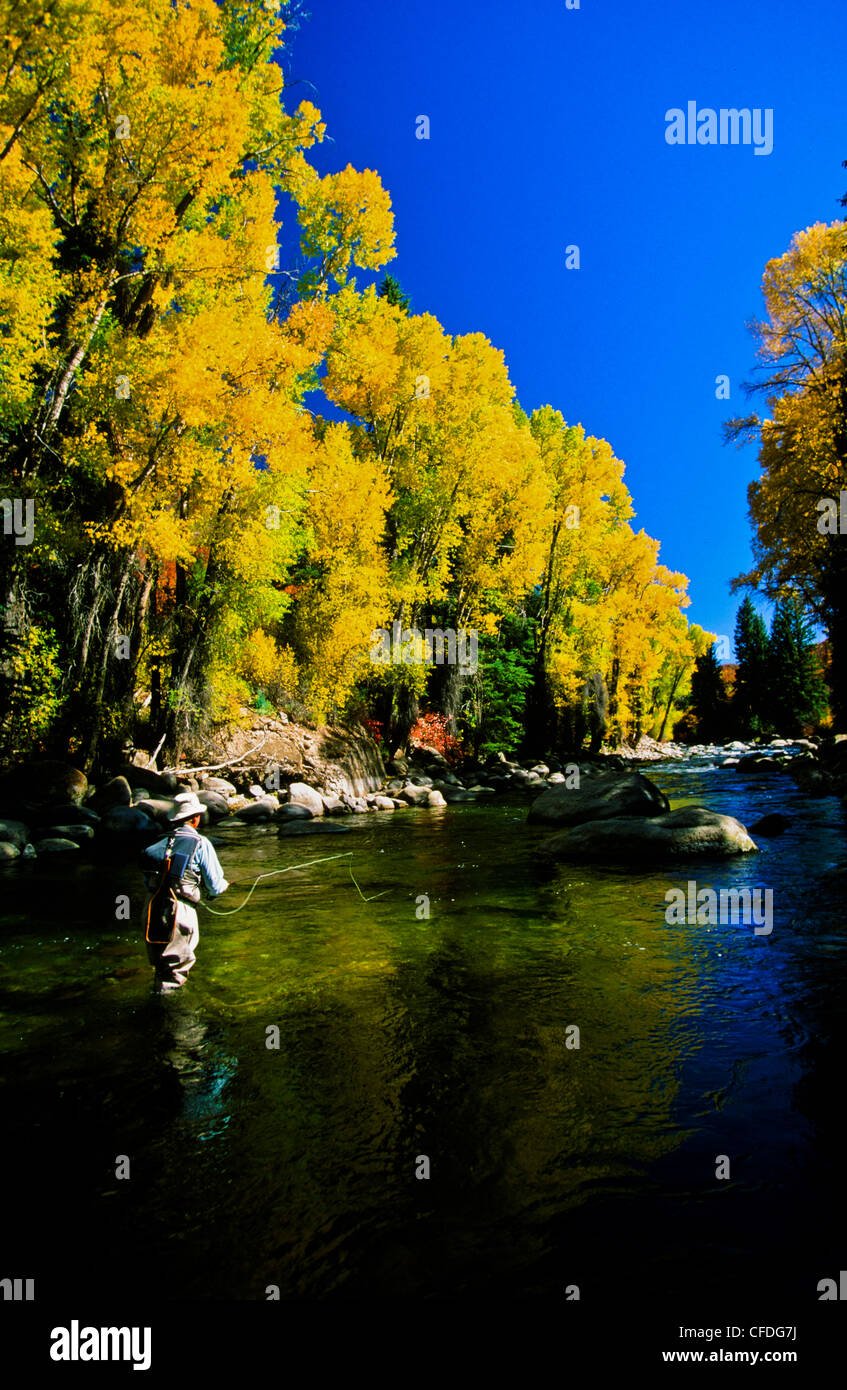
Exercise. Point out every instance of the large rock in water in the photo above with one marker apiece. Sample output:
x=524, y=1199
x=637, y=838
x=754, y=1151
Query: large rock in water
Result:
x=161, y=784
x=127, y=820
x=302, y=795
x=610, y=795
x=115, y=792
x=13, y=832
x=38, y=784
x=692, y=830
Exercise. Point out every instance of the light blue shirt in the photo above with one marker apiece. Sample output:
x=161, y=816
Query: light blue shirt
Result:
x=203, y=859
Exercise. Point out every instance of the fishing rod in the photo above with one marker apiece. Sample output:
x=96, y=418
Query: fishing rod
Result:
x=229, y=912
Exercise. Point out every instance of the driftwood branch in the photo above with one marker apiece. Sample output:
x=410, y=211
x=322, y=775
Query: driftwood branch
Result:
x=215, y=767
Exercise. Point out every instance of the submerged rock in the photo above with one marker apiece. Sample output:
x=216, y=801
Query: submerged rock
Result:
x=55, y=845
x=312, y=827
x=692, y=830
x=605, y=797
x=292, y=810
x=772, y=824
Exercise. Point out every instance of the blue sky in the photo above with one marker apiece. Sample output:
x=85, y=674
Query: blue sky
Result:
x=548, y=130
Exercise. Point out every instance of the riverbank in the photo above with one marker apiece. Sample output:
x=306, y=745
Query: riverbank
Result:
x=302, y=780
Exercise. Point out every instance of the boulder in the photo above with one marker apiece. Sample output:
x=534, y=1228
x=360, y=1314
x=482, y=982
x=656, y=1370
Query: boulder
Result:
x=334, y=806
x=605, y=797
x=34, y=785
x=13, y=832
x=434, y=798
x=257, y=811
x=55, y=845
x=687, y=832
x=219, y=785
x=66, y=815
x=293, y=811
x=159, y=783
x=215, y=804
x=414, y=796
x=383, y=803
x=453, y=795
x=758, y=762
x=813, y=781
x=80, y=834
x=128, y=820
x=116, y=792
x=772, y=824
x=159, y=810
x=9, y=851
x=300, y=794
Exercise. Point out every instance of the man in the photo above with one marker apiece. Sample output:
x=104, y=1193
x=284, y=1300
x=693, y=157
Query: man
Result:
x=174, y=868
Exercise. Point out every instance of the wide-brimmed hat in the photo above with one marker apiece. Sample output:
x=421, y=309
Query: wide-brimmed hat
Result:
x=186, y=805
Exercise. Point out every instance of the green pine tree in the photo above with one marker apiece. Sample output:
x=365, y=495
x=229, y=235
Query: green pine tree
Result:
x=750, y=701
x=494, y=701
x=709, y=700
x=798, y=698
x=391, y=290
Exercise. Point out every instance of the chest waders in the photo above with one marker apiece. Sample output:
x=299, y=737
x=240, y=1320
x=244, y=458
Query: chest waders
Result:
x=178, y=882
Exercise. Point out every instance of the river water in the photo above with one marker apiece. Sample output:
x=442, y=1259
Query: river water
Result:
x=402, y=1036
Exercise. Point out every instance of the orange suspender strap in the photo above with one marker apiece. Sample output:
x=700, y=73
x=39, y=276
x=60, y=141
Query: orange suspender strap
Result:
x=166, y=866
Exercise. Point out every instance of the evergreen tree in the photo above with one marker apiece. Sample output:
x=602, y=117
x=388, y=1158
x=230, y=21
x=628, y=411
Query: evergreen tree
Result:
x=709, y=700
x=797, y=690
x=391, y=290
x=495, y=695
x=749, y=703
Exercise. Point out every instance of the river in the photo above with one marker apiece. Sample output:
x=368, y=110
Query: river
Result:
x=451, y=1037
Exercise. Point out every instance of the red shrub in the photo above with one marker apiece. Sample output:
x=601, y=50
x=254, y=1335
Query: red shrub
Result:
x=431, y=729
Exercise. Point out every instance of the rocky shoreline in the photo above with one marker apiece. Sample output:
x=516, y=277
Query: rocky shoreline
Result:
x=305, y=781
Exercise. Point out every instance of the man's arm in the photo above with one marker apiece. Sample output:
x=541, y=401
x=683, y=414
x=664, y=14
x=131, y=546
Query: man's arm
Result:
x=209, y=864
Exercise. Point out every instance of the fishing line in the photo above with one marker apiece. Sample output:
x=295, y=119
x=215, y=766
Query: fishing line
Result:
x=228, y=912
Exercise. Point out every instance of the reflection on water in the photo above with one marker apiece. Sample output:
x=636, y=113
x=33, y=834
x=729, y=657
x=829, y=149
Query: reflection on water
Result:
x=451, y=1037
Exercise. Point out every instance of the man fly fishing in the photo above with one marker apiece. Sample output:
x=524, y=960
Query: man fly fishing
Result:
x=174, y=868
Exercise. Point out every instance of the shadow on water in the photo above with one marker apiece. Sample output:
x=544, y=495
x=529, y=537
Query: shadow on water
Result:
x=450, y=1037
